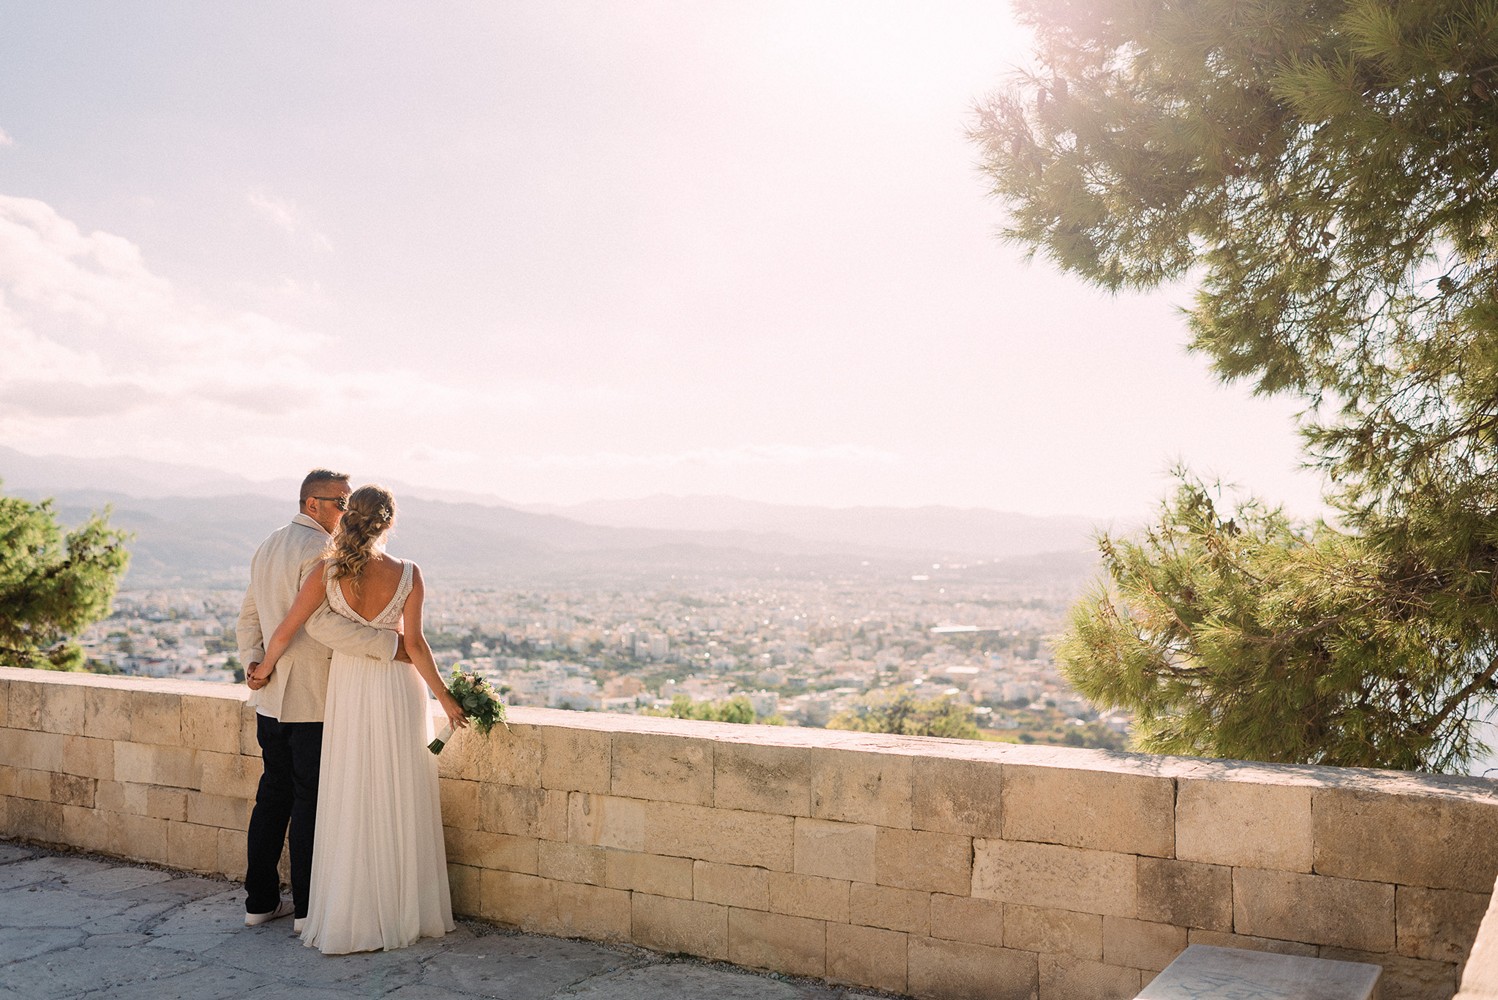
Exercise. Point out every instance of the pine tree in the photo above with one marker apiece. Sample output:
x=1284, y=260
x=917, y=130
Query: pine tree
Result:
x=52, y=585
x=1327, y=174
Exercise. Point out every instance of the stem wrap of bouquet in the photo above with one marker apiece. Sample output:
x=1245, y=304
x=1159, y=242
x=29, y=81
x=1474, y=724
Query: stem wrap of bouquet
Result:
x=479, y=702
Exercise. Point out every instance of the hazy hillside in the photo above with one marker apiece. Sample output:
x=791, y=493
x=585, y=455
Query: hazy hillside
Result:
x=186, y=535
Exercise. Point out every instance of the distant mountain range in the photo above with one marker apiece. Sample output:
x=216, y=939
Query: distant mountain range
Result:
x=199, y=527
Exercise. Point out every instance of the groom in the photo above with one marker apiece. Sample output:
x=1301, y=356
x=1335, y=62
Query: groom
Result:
x=289, y=704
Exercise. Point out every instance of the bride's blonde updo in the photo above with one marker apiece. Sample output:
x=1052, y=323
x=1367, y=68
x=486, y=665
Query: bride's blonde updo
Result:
x=371, y=512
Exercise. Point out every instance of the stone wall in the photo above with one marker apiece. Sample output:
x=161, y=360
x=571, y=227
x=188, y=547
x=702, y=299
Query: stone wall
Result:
x=937, y=868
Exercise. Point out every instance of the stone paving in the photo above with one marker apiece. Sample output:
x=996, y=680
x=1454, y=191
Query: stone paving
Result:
x=77, y=925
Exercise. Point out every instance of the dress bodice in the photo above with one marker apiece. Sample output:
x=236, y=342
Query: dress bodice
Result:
x=390, y=618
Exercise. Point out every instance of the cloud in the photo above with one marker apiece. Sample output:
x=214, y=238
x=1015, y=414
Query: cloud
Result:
x=746, y=455
x=285, y=216
x=5, y=139
x=74, y=399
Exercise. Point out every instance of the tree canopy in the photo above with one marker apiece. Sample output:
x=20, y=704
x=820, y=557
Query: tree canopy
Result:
x=1324, y=173
x=52, y=584
x=898, y=710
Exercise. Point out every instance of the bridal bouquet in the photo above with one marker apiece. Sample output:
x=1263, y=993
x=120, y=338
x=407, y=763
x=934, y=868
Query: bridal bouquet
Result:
x=480, y=703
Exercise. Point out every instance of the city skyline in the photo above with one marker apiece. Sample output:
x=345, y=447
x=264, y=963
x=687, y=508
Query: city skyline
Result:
x=573, y=253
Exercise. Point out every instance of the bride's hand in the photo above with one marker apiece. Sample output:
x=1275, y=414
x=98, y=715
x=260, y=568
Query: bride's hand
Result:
x=452, y=710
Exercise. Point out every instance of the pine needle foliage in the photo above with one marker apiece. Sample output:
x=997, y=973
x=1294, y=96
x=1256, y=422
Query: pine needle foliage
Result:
x=52, y=584
x=1326, y=173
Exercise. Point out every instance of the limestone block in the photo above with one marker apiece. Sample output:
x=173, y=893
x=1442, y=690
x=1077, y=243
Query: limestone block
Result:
x=762, y=778
x=724, y=835
x=35, y=819
x=835, y=850
x=23, y=708
x=866, y=956
x=460, y=756
x=962, y=918
x=522, y=901
x=606, y=821
x=249, y=731
x=8, y=779
x=1051, y=875
x=499, y=851
x=158, y=765
x=662, y=768
x=72, y=790
x=680, y=925
x=809, y=896
x=106, y=713
x=232, y=853
x=62, y=708
x=192, y=847
x=731, y=885
x=1186, y=893
x=956, y=796
x=166, y=803
x=31, y=748
x=87, y=757
x=1248, y=942
x=229, y=812
x=1063, y=977
x=570, y=862
x=27, y=783
x=955, y=970
x=143, y=838
x=1053, y=932
x=222, y=773
x=576, y=760
x=591, y=911
x=648, y=873
x=465, y=883
x=860, y=786
x=4, y=701
x=110, y=796
x=1314, y=908
x=761, y=940
x=509, y=757
x=1404, y=978
x=1244, y=824
x=1141, y=944
x=893, y=909
x=460, y=803
x=523, y=811
x=1432, y=841
x=915, y=859
x=1437, y=924
x=156, y=718
x=85, y=827
x=210, y=723
x=1097, y=810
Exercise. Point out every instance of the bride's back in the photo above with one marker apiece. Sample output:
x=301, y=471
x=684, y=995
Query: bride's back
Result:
x=370, y=592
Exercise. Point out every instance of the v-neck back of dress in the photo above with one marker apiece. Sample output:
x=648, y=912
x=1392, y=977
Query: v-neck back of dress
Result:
x=390, y=617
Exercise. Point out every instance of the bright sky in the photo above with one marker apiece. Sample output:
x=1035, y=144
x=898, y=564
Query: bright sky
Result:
x=561, y=251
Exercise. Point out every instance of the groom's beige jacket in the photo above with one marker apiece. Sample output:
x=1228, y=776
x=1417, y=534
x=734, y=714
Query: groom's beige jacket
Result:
x=298, y=688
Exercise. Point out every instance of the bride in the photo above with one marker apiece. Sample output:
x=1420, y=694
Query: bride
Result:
x=379, y=869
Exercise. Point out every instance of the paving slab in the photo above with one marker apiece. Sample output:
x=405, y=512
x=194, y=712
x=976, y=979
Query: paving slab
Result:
x=1207, y=972
x=82, y=927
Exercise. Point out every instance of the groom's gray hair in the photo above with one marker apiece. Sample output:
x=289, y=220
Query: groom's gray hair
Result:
x=316, y=478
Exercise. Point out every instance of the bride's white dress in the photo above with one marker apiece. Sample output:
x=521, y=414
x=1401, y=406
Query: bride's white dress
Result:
x=379, y=869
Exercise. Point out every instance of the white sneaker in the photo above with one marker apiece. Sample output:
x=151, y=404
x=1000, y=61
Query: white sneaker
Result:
x=296, y=925
x=284, y=908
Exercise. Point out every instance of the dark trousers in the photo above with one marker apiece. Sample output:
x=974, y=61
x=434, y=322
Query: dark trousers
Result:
x=292, y=753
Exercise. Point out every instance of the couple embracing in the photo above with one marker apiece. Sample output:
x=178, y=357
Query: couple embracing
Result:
x=340, y=682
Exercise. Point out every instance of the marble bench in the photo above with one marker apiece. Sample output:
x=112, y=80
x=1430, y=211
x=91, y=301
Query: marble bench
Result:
x=1205, y=972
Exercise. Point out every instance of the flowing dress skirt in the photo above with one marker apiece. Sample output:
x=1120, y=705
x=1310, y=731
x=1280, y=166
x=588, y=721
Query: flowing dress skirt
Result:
x=379, y=869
